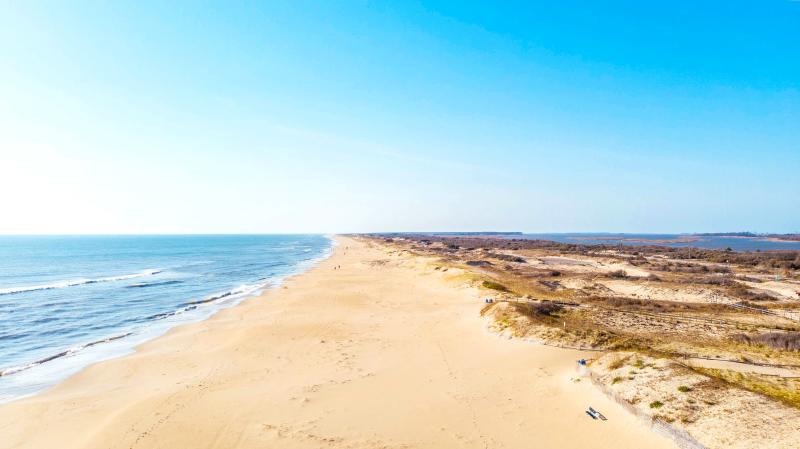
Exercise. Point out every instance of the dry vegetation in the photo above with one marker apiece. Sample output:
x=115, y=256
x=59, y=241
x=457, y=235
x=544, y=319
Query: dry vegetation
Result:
x=653, y=306
x=786, y=390
x=785, y=341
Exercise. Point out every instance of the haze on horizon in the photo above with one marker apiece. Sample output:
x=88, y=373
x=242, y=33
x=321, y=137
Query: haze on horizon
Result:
x=143, y=117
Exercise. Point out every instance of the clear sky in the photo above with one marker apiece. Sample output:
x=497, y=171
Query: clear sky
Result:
x=169, y=117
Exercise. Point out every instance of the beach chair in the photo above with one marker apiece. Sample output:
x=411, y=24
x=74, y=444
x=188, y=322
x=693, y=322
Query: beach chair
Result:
x=596, y=414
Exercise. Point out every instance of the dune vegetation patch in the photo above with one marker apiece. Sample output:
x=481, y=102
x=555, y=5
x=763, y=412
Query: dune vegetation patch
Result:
x=785, y=390
x=492, y=285
x=783, y=341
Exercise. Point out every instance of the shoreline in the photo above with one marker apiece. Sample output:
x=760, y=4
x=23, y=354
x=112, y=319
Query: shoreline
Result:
x=379, y=352
x=57, y=367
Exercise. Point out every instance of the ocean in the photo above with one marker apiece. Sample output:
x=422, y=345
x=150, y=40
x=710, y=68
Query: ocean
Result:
x=68, y=301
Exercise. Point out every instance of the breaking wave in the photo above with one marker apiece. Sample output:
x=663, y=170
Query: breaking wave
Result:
x=74, y=282
x=70, y=351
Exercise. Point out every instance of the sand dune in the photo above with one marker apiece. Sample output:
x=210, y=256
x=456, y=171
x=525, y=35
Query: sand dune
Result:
x=383, y=352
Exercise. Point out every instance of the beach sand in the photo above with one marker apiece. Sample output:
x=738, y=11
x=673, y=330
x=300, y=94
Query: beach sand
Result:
x=384, y=352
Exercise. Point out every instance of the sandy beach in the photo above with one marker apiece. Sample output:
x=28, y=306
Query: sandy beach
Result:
x=366, y=350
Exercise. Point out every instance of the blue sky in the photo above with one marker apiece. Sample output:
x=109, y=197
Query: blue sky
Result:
x=141, y=117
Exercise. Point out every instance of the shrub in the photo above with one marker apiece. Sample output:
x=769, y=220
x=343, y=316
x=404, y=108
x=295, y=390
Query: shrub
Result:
x=756, y=296
x=656, y=404
x=617, y=363
x=552, y=285
x=495, y=286
x=616, y=380
x=544, y=308
x=785, y=341
x=507, y=257
x=618, y=274
x=650, y=305
x=684, y=389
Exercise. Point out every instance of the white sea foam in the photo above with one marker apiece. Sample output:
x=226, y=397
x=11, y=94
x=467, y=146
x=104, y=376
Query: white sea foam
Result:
x=70, y=351
x=229, y=295
x=74, y=282
x=26, y=379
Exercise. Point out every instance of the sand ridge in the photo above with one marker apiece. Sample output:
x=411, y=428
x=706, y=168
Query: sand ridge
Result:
x=366, y=350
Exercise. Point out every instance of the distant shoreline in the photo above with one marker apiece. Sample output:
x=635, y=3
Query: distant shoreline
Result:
x=750, y=235
x=688, y=239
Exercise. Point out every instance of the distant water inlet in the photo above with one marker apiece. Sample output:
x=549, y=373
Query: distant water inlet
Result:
x=735, y=243
x=69, y=301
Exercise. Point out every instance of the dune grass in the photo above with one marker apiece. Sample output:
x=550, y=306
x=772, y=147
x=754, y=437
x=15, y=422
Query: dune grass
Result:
x=785, y=390
x=618, y=362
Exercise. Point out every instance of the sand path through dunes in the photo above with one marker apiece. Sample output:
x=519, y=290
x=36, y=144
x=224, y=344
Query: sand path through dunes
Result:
x=381, y=353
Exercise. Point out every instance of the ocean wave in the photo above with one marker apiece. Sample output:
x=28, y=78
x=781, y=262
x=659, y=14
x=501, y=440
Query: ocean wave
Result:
x=152, y=284
x=145, y=314
x=15, y=369
x=74, y=282
x=241, y=290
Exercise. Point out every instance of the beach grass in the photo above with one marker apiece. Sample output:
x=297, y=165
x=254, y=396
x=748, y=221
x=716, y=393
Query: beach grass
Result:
x=785, y=390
